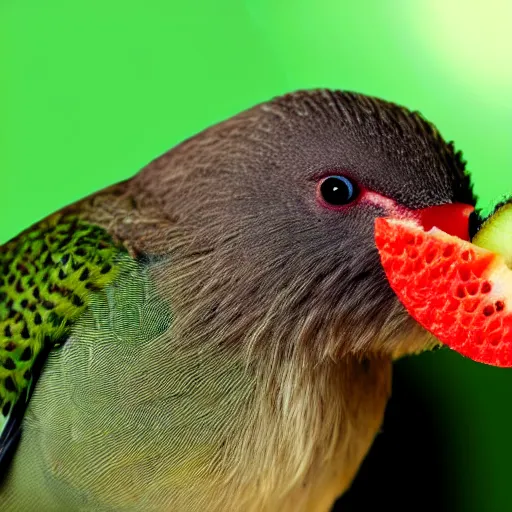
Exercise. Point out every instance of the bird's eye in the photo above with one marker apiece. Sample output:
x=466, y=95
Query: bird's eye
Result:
x=337, y=190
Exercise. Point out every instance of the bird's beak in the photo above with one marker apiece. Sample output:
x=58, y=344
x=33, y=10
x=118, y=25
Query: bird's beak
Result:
x=452, y=218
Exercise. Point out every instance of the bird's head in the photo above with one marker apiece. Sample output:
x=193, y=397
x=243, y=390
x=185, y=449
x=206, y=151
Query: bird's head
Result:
x=273, y=219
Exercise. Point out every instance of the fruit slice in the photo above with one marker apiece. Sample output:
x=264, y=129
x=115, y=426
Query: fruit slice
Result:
x=458, y=291
x=496, y=233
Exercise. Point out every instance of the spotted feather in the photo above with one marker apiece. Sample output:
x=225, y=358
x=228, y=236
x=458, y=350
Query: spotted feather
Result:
x=48, y=275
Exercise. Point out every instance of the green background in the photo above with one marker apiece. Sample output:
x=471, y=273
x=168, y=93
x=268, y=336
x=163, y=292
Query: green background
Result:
x=90, y=91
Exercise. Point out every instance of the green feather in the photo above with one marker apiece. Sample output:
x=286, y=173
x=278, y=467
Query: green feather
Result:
x=124, y=411
x=49, y=274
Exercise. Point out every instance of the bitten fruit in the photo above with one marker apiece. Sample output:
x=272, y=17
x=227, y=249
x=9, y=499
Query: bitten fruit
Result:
x=458, y=291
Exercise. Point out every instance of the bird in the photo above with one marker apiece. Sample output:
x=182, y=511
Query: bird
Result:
x=217, y=332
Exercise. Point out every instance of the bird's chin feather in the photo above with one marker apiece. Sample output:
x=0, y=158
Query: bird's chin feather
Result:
x=301, y=422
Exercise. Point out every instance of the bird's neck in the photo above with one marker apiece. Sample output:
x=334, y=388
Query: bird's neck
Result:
x=308, y=429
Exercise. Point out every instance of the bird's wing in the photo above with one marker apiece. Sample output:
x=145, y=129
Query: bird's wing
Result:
x=49, y=274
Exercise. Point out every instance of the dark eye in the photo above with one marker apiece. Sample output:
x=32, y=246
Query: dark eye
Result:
x=337, y=190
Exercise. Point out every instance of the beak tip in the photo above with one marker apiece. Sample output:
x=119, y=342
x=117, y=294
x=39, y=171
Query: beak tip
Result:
x=475, y=223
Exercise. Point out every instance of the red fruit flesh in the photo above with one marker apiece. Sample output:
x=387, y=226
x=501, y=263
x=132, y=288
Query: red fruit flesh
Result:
x=454, y=289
